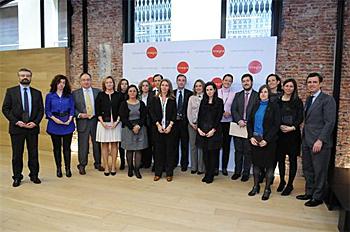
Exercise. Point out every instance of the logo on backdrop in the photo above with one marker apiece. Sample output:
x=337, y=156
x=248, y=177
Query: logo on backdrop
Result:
x=182, y=67
x=217, y=81
x=151, y=52
x=254, y=67
x=218, y=50
x=150, y=80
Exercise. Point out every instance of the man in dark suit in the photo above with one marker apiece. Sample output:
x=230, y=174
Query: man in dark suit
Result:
x=84, y=99
x=23, y=107
x=317, y=140
x=182, y=95
x=240, y=110
x=157, y=78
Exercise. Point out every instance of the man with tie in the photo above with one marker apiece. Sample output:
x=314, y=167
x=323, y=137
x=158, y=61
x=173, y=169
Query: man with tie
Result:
x=24, y=109
x=182, y=95
x=84, y=99
x=317, y=140
x=240, y=110
x=156, y=81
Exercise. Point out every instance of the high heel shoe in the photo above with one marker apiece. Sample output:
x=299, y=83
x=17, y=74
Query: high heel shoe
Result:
x=138, y=174
x=255, y=190
x=281, y=186
x=266, y=195
x=130, y=172
x=59, y=172
x=113, y=173
x=68, y=172
x=287, y=190
x=106, y=173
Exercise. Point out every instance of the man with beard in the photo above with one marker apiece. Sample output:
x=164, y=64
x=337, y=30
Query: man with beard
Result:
x=23, y=107
x=240, y=110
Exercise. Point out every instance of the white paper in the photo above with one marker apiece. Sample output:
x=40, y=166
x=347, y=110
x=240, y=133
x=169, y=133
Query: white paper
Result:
x=236, y=130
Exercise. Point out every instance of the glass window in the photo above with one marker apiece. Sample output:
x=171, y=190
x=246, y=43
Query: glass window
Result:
x=9, y=27
x=248, y=18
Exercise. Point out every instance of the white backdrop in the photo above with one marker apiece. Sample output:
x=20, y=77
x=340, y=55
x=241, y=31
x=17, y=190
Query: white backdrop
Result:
x=204, y=59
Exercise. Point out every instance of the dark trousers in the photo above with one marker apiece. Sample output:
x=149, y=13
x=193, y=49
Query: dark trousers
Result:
x=226, y=142
x=83, y=144
x=17, y=141
x=315, y=168
x=164, y=156
x=57, y=142
x=293, y=163
x=210, y=158
x=147, y=153
x=181, y=133
x=243, y=155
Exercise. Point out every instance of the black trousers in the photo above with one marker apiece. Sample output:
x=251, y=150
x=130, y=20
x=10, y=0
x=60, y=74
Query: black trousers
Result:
x=181, y=133
x=17, y=141
x=210, y=158
x=243, y=156
x=147, y=154
x=57, y=142
x=164, y=156
x=226, y=142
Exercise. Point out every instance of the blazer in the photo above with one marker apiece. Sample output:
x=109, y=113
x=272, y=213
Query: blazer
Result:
x=187, y=95
x=124, y=115
x=237, y=108
x=80, y=107
x=319, y=121
x=104, y=106
x=156, y=111
x=13, y=110
x=271, y=122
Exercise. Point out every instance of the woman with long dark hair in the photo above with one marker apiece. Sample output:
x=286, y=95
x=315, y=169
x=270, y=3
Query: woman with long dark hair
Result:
x=59, y=110
x=263, y=128
x=209, y=137
x=163, y=114
x=274, y=82
x=289, y=139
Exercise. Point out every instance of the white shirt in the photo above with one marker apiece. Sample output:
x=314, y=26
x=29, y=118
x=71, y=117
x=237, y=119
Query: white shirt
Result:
x=144, y=98
x=315, y=96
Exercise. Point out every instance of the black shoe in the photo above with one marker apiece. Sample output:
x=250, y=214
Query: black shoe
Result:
x=16, y=183
x=59, y=172
x=99, y=168
x=304, y=197
x=81, y=169
x=183, y=169
x=224, y=172
x=130, y=172
x=113, y=173
x=68, y=172
x=281, y=186
x=122, y=165
x=204, y=179
x=245, y=178
x=287, y=190
x=35, y=180
x=255, y=190
x=209, y=180
x=266, y=194
x=216, y=172
x=106, y=173
x=193, y=172
x=313, y=203
x=138, y=174
x=200, y=173
x=235, y=176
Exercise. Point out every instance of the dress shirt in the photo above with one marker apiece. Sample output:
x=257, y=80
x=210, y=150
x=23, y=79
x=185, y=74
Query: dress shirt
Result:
x=144, y=98
x=29, y=97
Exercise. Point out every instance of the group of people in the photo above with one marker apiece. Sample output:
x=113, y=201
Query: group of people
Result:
x=156, y=123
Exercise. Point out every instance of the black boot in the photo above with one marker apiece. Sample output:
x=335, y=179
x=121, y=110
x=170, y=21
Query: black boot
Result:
x=137, y=173
x=266, y=195
x=255, y=190
x=59, y=172
x=68, y=172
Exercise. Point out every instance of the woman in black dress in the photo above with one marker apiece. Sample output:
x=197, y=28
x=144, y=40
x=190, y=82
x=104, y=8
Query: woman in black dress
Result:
x=122, y=87
x=289, y=138
x=263, y=128
x=163, y=114
x=209, y=136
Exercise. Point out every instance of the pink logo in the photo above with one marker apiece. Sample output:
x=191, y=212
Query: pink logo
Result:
x=217, y=81
x=151, y=52
x=182, y=67
x=218, y=50
x=254, y=67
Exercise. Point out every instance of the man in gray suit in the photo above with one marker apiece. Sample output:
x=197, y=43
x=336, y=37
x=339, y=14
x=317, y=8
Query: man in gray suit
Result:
x=84, y=99
x=320, y=116
x=241, y=109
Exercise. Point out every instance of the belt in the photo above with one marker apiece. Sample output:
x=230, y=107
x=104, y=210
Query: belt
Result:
x=58, y=114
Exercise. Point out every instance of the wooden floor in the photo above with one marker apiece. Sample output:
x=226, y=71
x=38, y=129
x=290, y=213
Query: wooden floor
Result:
x=97, y=203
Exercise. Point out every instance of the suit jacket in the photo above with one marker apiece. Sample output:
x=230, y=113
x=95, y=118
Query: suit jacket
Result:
x=271, y=122
x=80, y=107
x=319, y=121
x=13, y=110
x=156, y=111
x=237, y=108
x=187, y=95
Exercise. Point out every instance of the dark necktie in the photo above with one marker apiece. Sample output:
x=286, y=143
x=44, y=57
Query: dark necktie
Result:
x=179, y=104
x=26, y=101
x=308, y=104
